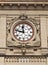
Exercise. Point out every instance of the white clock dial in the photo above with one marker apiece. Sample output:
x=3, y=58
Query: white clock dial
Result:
x=23, y=32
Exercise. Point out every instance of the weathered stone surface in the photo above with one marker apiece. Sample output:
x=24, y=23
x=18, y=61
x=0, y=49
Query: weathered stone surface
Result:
x=24, y=1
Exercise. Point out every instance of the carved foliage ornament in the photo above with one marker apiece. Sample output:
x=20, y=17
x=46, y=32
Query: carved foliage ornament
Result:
x=22, y=31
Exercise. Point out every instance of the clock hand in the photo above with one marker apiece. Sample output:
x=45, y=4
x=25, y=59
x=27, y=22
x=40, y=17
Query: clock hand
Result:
x=18, y=30
x=23, y=28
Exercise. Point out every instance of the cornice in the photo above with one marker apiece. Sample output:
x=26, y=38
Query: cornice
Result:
x=23, y=5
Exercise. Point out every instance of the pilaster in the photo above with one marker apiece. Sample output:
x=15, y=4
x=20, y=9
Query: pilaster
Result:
x=2, y=31
x=43, y=32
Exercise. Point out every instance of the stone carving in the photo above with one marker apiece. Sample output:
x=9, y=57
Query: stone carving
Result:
x=23, y=47
x=25, y=59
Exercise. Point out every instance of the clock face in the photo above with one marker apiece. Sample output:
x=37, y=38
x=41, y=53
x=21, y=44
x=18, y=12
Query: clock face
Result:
x=23, y=31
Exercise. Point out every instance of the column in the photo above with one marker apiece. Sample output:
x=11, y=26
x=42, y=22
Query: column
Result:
x=2, y=31
x=43, y=32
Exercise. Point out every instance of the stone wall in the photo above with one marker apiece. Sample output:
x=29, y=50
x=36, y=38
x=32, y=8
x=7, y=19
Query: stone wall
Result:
x=42, y=17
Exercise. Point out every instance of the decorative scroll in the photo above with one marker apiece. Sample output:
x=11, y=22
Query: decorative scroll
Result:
x=24, y=48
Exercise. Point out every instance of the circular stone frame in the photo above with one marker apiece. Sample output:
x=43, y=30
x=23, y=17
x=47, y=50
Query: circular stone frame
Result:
x=26, y=22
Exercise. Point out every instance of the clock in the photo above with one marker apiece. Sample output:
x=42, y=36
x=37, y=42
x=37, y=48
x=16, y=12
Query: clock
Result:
x=22, y=31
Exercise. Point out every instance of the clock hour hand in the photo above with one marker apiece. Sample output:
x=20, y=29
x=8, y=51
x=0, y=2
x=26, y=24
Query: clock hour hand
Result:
x=18, y=30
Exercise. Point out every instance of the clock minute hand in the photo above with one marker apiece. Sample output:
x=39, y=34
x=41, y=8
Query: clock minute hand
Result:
x=23, y=28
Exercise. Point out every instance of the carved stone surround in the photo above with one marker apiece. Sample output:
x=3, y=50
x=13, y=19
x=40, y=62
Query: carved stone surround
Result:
x=15, y=46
